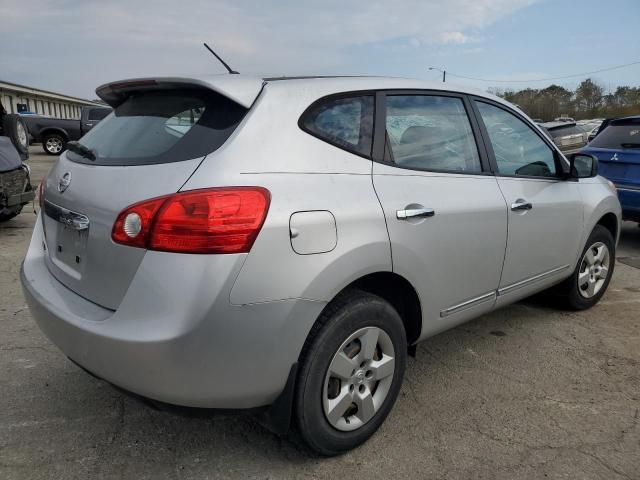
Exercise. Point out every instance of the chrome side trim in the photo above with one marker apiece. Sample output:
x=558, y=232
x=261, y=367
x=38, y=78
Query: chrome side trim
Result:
x=467, y=304
x=628, y=188
x=527, y=281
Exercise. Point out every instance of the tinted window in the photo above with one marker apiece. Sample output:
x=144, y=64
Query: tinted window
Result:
x=517, y=148
x=430, y=133
x=160, y=127
x=346, y=122
x=623, y=133
x=98, y=113
x=563, y=131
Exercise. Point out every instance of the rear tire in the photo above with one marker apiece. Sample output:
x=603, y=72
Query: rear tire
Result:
x=361, y=336
x=53, y=144
x=590, y=279
x=14, y=127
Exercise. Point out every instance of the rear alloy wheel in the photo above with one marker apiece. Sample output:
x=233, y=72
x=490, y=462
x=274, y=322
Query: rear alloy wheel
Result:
x=53, y=144
x=351, y=370
x=358, y=379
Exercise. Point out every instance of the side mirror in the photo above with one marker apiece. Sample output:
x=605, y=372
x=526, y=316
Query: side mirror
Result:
x=583, y=165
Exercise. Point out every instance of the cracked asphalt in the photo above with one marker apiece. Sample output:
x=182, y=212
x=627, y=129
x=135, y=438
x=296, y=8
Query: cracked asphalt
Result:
x=524, y=392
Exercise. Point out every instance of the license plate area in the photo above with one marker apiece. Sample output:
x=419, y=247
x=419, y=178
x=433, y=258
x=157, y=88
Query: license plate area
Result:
x=66, y=236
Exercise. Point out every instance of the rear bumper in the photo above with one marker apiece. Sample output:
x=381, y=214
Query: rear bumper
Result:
x=175, y=337
x=629, y=196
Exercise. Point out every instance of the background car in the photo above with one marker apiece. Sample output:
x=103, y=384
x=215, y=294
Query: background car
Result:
x=54, y=133
x=15, y=183
x=617, y=147
x=568, y=136
x=564, y=119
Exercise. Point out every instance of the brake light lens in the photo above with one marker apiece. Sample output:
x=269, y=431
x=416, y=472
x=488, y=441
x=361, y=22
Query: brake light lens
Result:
x=215, y=220
x=41, y=193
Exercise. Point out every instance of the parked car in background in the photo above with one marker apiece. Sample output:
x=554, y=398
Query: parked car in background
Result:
x=568, y=136
x=591, y=134
x=617, y=147
x=15, y=182
x=564, y=119
x=218, y=272
x=54, y=133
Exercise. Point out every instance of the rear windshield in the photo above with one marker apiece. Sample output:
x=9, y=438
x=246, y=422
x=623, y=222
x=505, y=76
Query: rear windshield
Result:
x=564, y=131
x=623, y=133
x=161, y=127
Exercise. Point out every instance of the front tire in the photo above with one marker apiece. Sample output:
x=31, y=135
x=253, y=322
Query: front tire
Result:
x=53, y=144
x=351, y=372
x=590, y=279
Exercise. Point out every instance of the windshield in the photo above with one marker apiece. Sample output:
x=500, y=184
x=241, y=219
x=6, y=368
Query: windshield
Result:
x=623, y=133
x=160, y=127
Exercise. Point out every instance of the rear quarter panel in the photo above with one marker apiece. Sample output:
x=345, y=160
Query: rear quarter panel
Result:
x=302, y=173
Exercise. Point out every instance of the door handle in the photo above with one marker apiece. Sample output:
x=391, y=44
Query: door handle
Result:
x=521, y=204
x=415, y=212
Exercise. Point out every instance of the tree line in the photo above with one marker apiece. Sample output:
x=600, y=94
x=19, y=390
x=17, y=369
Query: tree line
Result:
x=588, y=100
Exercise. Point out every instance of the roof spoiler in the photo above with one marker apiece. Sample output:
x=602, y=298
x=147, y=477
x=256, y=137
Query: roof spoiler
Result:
x=241, y=89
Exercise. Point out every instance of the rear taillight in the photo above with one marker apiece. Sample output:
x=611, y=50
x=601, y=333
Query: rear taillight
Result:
x=41, y=193
x=215, y=220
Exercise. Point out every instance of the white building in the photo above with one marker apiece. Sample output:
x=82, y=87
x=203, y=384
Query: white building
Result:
x=39, y=101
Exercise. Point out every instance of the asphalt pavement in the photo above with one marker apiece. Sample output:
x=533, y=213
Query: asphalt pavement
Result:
x=524, y=392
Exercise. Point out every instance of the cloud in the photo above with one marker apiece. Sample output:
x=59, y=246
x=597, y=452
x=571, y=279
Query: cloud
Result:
x=75, y=45
x=457, y=38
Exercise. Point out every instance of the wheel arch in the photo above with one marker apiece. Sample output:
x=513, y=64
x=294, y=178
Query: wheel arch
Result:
x=396, y=290
x=611, y=223
x=601, y=208
x=53, y=130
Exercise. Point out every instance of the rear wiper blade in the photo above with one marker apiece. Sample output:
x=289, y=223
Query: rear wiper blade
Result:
x=77, y=147
x=630, y=145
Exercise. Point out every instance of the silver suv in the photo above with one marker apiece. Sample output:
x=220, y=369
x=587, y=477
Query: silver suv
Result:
x=239, y=242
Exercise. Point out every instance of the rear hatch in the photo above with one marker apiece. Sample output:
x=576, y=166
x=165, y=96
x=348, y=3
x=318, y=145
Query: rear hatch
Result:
x=570, y=136
x=618, y=150
x=156, y=137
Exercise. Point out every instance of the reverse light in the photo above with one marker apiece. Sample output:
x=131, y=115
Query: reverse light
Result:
x=214, y=220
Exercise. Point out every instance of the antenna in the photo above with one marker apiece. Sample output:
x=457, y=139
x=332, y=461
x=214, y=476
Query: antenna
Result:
x=221, y=61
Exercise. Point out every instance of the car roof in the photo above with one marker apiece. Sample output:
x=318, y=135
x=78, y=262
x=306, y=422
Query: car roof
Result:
x=244, y=88
x=348, y=83
x=554, y=125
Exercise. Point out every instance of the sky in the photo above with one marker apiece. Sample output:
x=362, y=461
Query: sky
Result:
x=73, y=46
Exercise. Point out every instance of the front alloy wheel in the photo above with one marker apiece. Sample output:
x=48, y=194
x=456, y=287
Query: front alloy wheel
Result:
x=591, y=276
x=594, y=270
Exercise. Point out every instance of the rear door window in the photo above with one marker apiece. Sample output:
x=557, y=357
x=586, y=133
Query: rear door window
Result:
x=161, y=127
x=430, y=132
x=346, y=122
x=623, y=133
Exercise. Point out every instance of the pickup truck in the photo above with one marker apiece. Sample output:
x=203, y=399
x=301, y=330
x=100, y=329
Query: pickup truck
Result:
x=54, y=133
